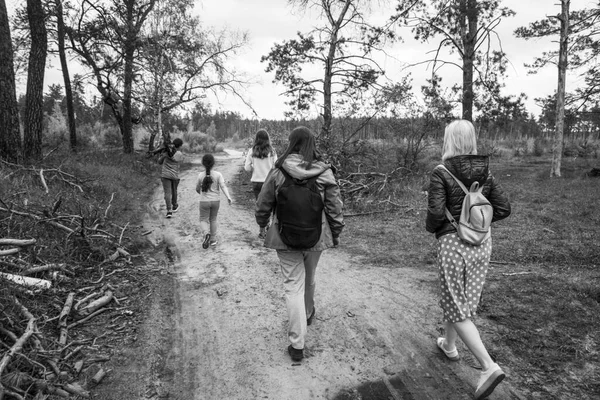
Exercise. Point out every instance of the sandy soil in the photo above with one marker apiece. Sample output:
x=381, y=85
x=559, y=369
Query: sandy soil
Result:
x=217, y=325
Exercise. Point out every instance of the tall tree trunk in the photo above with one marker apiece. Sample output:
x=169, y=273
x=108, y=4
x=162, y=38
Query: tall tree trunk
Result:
x=469, y=8
x=60, y=27
x=129, y=52
x=327, y=79
x=34, y=113
x=557, y=146
x=10, y=135
x=327, y=115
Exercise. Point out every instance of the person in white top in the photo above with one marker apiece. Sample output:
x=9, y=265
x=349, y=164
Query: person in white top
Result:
x=260, y=160
x=209, y=186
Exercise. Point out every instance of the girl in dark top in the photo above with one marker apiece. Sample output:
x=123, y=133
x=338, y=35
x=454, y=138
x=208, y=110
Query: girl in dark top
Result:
x=462, y=266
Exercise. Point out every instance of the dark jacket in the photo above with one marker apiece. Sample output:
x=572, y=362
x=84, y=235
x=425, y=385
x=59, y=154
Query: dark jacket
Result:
x=333, y=219
x=445, y=192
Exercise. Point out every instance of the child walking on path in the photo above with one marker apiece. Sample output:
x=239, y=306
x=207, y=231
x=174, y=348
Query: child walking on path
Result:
x=209, y=186
x=260, y=160
x=171, y=160
x=463, y=267
x=302, y=161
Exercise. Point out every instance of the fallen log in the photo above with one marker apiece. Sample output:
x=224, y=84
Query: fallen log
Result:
x=10, y=251
x=27, y=281
x=62, y=319
x=99, y=376
x=22, y=340
x=17, y=242
x=96, y=304
x=76, y=389
x=81, y=321
x=43, y=268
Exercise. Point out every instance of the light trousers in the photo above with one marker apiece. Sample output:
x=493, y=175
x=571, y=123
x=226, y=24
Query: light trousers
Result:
x=208, y=217
x=298, y=271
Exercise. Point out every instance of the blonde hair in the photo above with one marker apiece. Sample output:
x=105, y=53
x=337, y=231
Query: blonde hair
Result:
x=459, y=139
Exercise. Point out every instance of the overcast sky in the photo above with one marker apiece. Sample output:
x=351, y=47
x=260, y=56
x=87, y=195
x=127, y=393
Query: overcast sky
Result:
x=273, y=21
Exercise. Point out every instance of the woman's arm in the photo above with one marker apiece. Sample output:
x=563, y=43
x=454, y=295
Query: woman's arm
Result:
x=224, y=188
x=436, y=202
x=266, y=200
x=248, y=163
x=334, y=207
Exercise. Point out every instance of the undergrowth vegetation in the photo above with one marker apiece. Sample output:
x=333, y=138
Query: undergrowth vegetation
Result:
x=541, y=306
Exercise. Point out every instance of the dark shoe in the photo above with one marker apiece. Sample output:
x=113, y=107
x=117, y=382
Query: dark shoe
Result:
x=169, y=214
x=175, y=207
x=312, y=316
x=206, y=241
x=297, y=355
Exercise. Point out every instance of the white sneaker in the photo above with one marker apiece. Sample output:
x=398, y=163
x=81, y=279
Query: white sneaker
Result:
x=488, y=380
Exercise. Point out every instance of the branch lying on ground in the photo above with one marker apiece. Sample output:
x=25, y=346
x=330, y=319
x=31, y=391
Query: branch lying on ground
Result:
x=22, y=340
x=65, y=177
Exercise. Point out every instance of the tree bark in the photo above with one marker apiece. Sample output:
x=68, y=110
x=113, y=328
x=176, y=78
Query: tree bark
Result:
x=10, y=136
x=60, y=27
x=469, y=35
x=34, y=113
x=557, y=146
x=129, y=52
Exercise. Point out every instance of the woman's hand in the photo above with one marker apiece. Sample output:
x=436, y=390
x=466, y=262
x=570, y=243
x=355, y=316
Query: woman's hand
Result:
x=230, y=201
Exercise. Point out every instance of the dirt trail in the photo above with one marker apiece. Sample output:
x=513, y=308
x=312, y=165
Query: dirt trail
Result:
x=373, y=337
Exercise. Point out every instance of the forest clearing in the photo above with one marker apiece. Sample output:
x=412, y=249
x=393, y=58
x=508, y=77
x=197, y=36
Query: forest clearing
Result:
x=189, y=323
x=103, y=295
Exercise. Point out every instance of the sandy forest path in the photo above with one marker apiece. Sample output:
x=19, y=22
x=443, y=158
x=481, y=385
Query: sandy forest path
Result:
x=225, y=334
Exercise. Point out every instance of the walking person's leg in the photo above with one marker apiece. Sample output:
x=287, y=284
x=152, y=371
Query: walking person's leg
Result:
x=256, y=188
x=205, y=222
x=293, y=272
x=463, y=269
x=168, y=192
x=214, y=212
x=311, y=260
x=174, y=197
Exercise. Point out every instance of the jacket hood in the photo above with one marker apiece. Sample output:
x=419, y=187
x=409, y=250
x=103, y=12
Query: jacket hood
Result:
x=295, y=165
x=469, y=168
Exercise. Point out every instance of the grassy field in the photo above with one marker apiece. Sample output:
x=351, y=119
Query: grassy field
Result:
x=540, y=313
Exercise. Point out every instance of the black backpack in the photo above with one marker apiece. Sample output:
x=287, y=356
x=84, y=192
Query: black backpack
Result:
x=299, y=211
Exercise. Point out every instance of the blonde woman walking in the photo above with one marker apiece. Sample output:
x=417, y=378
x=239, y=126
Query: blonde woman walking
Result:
x=463, y=267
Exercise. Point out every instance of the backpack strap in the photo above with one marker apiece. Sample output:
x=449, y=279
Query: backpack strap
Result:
x=462, y=185
x=289, y=177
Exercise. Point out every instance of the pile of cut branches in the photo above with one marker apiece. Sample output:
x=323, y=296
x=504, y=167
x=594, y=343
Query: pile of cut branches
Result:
x=66, y=279
x=374, y=192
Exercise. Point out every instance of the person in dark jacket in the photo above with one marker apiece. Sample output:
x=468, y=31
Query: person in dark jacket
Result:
x=301, y=160
x=462, y=266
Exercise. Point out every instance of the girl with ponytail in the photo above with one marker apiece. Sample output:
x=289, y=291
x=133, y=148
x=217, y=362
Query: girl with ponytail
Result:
x=209, y=186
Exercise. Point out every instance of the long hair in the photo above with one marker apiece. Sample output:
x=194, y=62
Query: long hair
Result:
x=301, y=141
x=459, y=139
x=262, y=145
x=208, y=160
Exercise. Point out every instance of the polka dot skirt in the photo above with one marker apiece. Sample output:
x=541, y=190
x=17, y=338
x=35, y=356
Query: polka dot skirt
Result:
x=463, y=268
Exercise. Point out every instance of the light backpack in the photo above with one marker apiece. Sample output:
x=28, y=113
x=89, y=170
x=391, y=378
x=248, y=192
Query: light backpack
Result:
x=299, y=211
x=474, y=224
